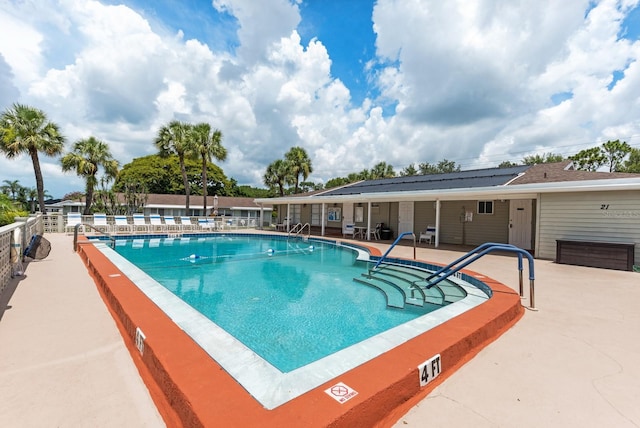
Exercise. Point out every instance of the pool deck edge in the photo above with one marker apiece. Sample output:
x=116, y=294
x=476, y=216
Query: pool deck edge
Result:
x=185, y=384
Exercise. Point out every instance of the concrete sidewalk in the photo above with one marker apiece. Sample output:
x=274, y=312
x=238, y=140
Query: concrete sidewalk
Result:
x=573, y=363
x=63, y=362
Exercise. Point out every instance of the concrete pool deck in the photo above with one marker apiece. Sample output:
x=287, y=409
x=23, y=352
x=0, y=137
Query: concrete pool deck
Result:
x=572, y=363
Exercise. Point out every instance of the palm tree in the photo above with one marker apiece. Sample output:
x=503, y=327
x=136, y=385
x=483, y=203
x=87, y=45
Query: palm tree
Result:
x=299, y=164
x=174, y=138
x=25, y=129
x=86, y=158
x=276, y=175
x=207, y=145
x=12, y=187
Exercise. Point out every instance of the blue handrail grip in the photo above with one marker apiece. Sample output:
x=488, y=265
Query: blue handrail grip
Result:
x=488, y=247
x=391, y=248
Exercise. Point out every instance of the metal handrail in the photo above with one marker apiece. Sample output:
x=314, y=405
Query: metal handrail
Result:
x=480, y=251
x=393, y=245
x=298, y=229
x=90, y=226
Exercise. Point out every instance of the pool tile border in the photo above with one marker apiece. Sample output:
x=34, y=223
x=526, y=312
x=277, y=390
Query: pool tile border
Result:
x=192, y=389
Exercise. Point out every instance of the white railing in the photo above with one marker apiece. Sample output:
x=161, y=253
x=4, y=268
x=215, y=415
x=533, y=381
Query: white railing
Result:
x=14, y=238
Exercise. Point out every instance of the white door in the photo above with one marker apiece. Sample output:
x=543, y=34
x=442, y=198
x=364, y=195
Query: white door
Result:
x=405, y=218
x=347, y=213
x=520, y=223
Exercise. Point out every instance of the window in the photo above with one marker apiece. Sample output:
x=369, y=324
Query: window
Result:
x=485, y=207
x=315, y=214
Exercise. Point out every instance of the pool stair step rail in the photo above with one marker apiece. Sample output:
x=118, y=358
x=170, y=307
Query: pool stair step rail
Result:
x=298, y=229
x=401, y=236
x=404, y=285
x=414, y=278
x=76, y=228
x=452, y=268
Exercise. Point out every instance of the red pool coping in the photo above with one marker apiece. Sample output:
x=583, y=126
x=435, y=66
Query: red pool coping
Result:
x=190, y=389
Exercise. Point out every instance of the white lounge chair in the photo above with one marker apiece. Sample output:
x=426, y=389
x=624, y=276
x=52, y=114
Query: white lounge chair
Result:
x=170, y=223
x=73, y=219
x=100, y=222
x=207, y=224
x=428, y=235
x=185, y=223
x=139, y=223
x=155, y=223
x=120, y=223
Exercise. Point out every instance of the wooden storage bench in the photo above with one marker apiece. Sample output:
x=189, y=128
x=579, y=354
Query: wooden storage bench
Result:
x=608, y=255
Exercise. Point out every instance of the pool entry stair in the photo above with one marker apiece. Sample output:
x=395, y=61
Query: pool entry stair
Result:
x=405, y=285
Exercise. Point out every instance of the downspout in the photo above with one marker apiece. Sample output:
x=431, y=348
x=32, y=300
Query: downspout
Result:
x=437, y=223
x=322, y=219
x=369, y=221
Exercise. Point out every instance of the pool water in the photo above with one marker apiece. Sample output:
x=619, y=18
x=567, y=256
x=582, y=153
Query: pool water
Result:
x=291, y=302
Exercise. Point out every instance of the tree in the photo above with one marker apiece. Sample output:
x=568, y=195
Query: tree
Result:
x=207, y=145
x=381, y=170
x=442, y=167
x=544, y=158
x=299, y=164
x=615, y=152
x=409, y=170
x=174, y=138
x=12, y=188
x=86, y=158
x=632, y=164
x=507, y=164
x=589, y=159
x=27, y=130
x=162, y=175
x=276, y=175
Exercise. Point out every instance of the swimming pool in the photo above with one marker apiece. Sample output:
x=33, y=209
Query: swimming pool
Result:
x=272, y=384
x=292, y=302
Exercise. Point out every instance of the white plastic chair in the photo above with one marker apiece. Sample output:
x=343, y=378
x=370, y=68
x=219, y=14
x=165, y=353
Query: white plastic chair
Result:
x=139, y=223
x=100, y=222
x=155, y=223
x=375, y=232
x=170, y=223
x=349, y=229
x=120, y=222
x=185, y=223
x=428, y=235
x=73, y=219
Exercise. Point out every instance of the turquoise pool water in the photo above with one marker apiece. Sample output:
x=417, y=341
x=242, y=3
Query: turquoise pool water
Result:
x=291, y=302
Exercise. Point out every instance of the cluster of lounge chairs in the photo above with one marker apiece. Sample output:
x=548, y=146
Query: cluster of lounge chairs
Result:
x=138, y=223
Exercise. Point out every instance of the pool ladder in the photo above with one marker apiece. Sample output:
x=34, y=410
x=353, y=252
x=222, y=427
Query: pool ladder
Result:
x=90, y=226
x=298, y=229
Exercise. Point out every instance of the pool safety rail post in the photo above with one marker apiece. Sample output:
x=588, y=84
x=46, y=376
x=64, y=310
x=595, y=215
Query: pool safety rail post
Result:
x=92, y=227
x=480, y=251
x=394, y=244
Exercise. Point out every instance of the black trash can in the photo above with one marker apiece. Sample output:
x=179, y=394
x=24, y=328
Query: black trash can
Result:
x=386, y=234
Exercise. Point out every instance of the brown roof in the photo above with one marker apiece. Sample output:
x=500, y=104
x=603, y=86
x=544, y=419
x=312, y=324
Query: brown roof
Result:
x=197, y=200
x=563, y=171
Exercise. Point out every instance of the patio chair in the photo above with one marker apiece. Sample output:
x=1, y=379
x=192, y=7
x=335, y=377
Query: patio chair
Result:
x=170, y=223
x=139, y=223
x=207, y=224
x=155, y=223
x=185, y=223
x=100, y=222
x=73, y=219
x=428, y=235
x=120, y=223
x=375, y=232
x=349, y=229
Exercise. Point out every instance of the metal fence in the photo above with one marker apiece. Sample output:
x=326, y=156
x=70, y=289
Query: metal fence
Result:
x=14, y=238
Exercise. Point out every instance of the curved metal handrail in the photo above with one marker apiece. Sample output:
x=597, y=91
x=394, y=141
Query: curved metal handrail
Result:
x=299, y=228
x=477, y=253
x=90, y=226
x=394, y=244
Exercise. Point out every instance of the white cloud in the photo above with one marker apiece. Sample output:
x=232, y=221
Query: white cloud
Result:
x=470, y=82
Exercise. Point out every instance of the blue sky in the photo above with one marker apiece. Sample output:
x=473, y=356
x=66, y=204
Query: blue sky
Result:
x=353, y=82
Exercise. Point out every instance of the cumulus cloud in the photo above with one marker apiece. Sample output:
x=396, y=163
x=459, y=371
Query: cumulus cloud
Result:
x=475, y=83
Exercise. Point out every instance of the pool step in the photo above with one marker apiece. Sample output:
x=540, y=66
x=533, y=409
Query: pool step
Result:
x=452, y=292
x=411, y=280
x=395, y=297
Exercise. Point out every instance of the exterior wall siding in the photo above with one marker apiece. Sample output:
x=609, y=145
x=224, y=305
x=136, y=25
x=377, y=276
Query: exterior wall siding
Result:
x=590, y=216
